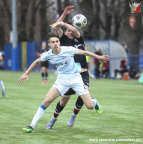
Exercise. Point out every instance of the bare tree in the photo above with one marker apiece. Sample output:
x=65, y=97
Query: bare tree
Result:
x=107, y=19
x=7, y=9
x=5, y=17
x=43, y=19
x=59, y=5
x=35, y=6
x=22, y=35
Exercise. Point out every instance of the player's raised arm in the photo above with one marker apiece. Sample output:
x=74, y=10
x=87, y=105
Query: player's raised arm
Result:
x=75, y=32
x=66, y=12
x=25, y=75
x=102, y=58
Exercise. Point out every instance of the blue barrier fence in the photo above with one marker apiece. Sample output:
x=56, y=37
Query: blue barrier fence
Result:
x=30, y=55
x=26, y=55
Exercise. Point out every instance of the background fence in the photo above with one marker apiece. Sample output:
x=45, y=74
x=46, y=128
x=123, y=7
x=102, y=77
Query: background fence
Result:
x=27, y=54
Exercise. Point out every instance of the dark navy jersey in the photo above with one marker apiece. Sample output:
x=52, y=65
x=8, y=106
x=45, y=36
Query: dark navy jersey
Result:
x=77, y=43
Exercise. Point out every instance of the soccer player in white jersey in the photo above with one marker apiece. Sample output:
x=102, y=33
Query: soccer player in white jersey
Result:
x=68, y=75
x=1, y=82
x=71, y=37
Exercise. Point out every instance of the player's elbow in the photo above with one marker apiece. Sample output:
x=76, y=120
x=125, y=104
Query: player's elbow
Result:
x=76, y=32
x=38, y=60
x=85, y=53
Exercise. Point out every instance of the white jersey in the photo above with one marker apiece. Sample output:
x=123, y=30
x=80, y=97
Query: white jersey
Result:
x=63, y=61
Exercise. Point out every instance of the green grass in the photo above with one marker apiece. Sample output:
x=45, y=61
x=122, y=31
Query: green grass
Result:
x=122, y=118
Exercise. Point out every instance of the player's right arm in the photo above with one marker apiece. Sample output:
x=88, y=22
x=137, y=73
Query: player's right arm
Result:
x=25, y=75
x=66, y=12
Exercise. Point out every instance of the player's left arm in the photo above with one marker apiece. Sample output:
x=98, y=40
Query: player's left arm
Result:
x=75, y=32
x=102, y=58
x=66, y=12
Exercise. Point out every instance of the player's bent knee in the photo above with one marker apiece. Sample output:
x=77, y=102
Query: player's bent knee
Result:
x=64, y=100
x=46, y=103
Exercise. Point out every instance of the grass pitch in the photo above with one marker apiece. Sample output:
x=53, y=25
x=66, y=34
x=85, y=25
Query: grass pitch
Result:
x=121, y=121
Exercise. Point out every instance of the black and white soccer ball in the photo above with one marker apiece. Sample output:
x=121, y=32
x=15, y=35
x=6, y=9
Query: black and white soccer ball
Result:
x=79, y=21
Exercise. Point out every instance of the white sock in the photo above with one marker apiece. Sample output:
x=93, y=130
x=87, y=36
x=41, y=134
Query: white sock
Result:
x=37, y=117
x=73, y=114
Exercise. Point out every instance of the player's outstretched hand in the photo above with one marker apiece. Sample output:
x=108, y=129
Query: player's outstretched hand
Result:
x=104, y=58
x=68, y=10
x=21, y=79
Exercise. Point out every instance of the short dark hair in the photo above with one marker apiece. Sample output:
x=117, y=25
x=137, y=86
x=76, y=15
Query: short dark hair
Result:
x=52, y=34
x=69, y=22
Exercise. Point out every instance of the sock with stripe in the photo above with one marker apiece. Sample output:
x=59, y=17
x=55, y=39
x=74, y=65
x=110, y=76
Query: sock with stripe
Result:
x=38, y=115
x=78, y=105
x=42, y=74
x=46, y=76
x=58, y=109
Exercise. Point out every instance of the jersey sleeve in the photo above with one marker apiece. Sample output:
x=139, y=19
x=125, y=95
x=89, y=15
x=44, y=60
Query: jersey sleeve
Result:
x=72, y=50
x=44, y=56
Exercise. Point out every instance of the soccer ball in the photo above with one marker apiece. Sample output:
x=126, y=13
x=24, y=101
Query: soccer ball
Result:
x=79, y=21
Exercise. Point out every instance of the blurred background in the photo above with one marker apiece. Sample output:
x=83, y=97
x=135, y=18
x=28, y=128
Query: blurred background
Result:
x=112, y=28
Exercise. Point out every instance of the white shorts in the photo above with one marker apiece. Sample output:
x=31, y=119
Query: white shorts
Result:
x=66, y=81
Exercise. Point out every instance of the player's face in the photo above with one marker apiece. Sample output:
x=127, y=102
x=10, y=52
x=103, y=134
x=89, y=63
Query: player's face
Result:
x=54, y=43
x=69, y=34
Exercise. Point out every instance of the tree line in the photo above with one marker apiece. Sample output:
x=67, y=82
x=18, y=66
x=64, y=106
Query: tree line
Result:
x=107, y=19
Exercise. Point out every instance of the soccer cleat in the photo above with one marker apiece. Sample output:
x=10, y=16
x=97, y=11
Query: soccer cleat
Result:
x=2, y=87
x=97, y=106
x=70, y=123
x=44, y=82
x=51, y=123
x=29, y=129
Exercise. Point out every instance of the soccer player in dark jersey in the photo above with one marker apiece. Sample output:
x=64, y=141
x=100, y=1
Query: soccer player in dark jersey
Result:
x=45, y=64
x=71, y=37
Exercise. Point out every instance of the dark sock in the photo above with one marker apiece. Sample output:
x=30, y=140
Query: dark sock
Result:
x=78, y=105
x=58, y=109
x=42, y=74
x=46, y=75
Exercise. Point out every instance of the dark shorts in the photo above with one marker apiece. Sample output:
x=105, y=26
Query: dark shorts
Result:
x=45, y=64
x=85, y=78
